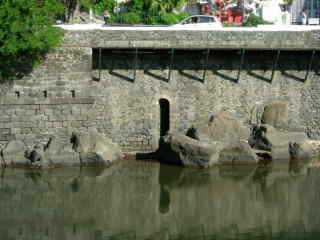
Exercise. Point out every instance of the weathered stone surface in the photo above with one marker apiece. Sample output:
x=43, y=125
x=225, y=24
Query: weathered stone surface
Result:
x=276, y=114
x=183, y=150
x=179, y=149
x=225, y=128
x=58, y=153
x=282, y=145
x=237, y=154
x=306, y=150
x=283, y=138
x=95, y=148
x=14, y=153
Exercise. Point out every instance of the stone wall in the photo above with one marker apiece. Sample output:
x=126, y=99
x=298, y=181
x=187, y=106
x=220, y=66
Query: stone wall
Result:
x=65, y=93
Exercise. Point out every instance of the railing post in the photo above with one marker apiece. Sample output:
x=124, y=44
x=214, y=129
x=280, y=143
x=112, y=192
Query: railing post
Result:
x=310, y=64
x=205, y=66
x=275, y=64
x=241, y=63
x=171, y=63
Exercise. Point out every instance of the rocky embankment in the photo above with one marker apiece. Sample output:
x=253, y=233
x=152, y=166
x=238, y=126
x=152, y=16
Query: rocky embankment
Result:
x=225, y=140
x=84, y=149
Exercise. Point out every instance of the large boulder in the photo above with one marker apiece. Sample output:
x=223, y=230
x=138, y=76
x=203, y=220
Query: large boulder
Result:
x=223, y=127
x=282, y=142
x=282, y=145
x=275, y=114
x=238, y=154
x=36, y=156
x=14, y=153
x=59, y=153
x=179, y=149
x=304, y=151
x=95, y=149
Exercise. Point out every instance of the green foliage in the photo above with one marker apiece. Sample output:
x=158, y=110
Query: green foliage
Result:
x=86, y=4
x=102, y=5
x=127, y=18
x=139, y=18
x=253, y=21
x=26, y=33
x=150, y=12
x=171, y=18
x=163, y=6
x=136, y=5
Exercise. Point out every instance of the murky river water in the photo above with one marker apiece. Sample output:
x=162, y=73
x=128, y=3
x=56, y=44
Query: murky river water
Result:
x=147, y=201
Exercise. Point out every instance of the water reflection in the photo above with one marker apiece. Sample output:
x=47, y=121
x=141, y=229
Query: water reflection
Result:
x=136, y=200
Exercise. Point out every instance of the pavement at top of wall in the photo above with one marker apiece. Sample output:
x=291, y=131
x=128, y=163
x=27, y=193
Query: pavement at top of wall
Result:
x=266, y=28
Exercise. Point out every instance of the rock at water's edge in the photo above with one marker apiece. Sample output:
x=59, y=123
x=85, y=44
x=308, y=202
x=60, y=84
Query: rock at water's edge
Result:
x=59, y=153
x=223, y=127
x=95, y=148
x=275, y=114
x=14, y=153
x=179, y=149
x=237, y=154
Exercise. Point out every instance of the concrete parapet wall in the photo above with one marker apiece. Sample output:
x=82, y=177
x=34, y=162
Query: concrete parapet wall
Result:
x=257, y=39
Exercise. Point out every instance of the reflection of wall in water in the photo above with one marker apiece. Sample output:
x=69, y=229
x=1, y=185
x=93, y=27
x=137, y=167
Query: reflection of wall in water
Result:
x=124, y=201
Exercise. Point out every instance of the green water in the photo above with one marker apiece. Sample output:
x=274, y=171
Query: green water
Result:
x=135, y=200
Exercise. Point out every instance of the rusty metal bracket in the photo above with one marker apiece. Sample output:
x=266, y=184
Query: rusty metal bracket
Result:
x=275, y=64
x=241, y=63
x=205, y=65
x=171, y=63
x=135, y=64
x=310, y=64
x=100, y=63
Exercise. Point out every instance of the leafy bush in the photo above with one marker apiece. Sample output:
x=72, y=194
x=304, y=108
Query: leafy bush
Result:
x=254, y=20
x=136, y=5
x=171, y=18
x=150, y=12
x=168, y=18
x=102, y=5
x=127, y=18
x=26, y=34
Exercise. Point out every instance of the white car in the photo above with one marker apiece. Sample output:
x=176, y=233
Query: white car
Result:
x=199, y=21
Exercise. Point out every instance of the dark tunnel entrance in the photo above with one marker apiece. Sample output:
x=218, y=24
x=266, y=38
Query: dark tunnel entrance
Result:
x=164, y=116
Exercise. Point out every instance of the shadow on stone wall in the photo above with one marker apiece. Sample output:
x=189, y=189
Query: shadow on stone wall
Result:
x=158, y=63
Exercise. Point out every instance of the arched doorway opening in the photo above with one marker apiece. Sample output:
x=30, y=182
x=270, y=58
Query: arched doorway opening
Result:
x=164, y=116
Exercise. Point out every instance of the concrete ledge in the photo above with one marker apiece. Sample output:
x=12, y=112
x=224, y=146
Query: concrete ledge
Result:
x=166, y=37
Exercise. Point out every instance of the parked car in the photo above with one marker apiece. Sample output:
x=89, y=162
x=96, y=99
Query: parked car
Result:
x=196, y=21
